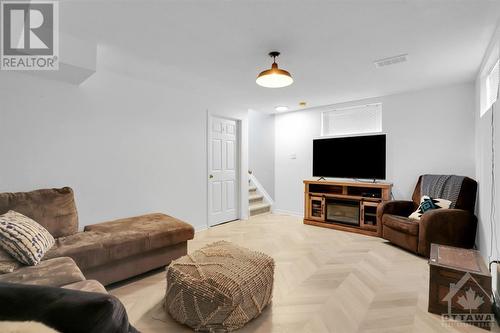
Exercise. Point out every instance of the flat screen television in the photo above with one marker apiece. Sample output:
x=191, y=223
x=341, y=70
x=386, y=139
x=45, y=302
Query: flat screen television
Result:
x=350, y=157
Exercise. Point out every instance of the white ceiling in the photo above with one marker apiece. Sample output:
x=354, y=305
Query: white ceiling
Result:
x=217, y=48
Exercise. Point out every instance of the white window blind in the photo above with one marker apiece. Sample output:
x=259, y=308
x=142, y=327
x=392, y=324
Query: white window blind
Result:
x=353, y=120
x=492, y=81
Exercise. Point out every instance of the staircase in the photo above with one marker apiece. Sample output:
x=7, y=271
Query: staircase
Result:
x=256, y=203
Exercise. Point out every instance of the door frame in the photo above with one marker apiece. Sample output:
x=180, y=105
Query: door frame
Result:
x=240, y=165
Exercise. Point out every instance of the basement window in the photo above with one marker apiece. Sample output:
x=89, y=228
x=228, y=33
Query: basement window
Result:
x=358, y=119
x=492, y=81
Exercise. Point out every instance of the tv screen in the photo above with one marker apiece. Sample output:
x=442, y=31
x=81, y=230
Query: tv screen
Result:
x=350, y=157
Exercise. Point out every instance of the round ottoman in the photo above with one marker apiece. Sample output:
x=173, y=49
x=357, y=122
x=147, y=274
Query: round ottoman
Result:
x=222, y=286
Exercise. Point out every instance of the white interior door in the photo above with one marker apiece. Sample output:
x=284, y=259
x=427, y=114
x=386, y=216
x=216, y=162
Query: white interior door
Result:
x=223, y=152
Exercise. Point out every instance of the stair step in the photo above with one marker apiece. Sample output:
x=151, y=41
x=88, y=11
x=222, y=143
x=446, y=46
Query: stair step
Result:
x=252, y=189
x=259, y=208
x=254, y=198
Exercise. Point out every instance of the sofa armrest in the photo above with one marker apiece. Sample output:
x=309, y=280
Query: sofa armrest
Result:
x=454, y=227
x=395, y=207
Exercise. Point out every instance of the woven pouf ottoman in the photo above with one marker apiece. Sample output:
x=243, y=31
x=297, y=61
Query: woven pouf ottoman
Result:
x=219, y=287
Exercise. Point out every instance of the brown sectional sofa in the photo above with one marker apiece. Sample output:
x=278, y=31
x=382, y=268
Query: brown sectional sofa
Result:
x=107, y=252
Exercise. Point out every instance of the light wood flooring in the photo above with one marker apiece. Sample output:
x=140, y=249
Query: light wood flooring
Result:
x=325, y=281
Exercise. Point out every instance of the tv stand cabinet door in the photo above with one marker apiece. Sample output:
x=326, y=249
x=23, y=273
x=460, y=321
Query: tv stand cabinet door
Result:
x=368, y=216
x=316, y=208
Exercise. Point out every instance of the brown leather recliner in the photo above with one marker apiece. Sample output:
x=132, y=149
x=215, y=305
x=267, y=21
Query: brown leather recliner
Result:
x=454, y=227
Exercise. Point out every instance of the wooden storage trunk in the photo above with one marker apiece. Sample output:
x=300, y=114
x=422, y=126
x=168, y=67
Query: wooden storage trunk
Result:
x=460, y=285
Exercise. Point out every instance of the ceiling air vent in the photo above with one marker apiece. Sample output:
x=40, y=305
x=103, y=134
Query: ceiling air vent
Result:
x=391, y=60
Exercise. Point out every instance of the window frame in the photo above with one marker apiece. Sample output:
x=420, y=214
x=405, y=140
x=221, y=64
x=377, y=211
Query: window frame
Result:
x=489, y=94
x=487, y=66
x=357, y=133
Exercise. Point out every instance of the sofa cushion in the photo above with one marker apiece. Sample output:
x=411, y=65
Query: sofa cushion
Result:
x=85, y=248
x=401, y=223
x=54, y=273
x=23, y=238
x=87, y=285
x=54, y=209
x=161, y=230
x=95, y=248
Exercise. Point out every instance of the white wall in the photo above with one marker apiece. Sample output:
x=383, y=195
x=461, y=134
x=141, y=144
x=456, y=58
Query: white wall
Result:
x=261, y=148
x=428, y=131
x=125, y=145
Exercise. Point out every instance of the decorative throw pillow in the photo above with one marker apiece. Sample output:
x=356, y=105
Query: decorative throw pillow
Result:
x=23, y=238
x=427, y=203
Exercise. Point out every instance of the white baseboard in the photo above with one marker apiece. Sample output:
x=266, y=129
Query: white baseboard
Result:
x=275, y=211
x=287, y=212
x=200, y=228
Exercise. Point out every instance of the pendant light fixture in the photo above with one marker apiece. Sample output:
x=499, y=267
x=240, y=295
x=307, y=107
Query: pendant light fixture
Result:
x=274, y=77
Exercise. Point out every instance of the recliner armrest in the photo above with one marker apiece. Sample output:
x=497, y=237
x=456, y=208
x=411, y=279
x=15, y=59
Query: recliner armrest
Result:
x=454, y=227
x=396, y=207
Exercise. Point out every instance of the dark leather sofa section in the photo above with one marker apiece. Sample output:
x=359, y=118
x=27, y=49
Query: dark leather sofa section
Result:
x=65, y=310
x=454, y=227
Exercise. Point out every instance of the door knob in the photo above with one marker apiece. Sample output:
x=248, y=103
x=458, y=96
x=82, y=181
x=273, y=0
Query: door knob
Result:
x=211, y=176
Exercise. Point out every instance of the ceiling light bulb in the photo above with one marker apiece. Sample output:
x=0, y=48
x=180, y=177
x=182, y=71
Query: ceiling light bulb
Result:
x=274, y=77
x=281, y=108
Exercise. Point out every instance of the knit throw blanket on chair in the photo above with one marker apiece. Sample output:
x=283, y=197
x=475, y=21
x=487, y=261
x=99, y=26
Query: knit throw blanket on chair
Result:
x=442, y=187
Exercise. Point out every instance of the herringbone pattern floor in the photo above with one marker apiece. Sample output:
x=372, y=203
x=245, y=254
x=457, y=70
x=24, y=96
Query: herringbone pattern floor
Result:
x=325, y=281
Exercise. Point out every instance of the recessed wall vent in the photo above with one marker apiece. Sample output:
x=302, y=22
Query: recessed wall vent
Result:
x=391, y=60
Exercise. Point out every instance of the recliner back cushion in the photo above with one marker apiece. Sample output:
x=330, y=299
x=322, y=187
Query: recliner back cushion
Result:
x=54, y=209
x=466, y=199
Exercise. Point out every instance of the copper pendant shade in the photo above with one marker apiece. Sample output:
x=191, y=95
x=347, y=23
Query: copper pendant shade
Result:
x=274, y=77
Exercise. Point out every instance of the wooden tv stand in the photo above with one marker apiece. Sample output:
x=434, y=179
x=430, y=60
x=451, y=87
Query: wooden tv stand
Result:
x=345, y=205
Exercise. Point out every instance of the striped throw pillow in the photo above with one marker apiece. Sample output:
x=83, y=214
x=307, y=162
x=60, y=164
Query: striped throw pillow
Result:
x=23, y=238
